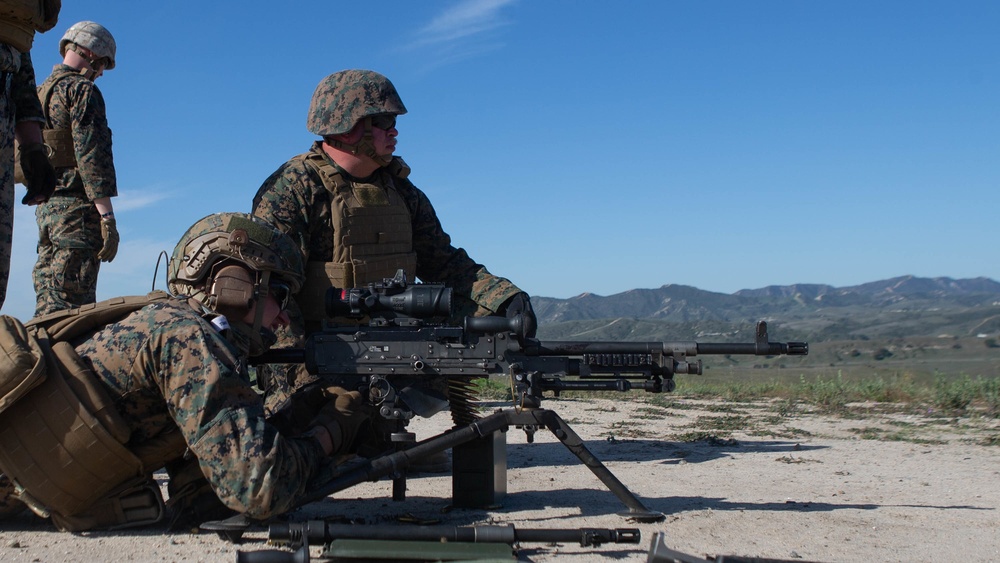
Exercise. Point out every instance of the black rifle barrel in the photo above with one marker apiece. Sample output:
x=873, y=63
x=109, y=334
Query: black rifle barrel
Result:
x=322, y=532
x=580, y=347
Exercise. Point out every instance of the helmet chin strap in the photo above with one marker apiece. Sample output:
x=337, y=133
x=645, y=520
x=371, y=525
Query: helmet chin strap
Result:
x=365, y=145
x=88, y=73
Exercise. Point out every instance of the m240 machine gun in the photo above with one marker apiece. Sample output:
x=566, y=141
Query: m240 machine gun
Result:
x=397, y=354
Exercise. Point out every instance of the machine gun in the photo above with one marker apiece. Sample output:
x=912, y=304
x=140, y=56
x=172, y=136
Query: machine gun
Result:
x=398, y=343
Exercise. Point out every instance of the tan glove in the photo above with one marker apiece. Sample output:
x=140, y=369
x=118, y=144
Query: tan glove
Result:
x=109, y=232
x=341, y=417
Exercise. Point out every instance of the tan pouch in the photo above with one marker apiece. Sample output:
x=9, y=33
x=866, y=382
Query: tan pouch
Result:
x=136, y=503
x=22, y=363
x=60, y=151
x=53, y=447
x=83, y=382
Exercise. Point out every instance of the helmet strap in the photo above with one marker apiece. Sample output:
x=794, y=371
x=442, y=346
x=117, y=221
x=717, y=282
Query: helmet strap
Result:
x=87, y=55
x=365, y=145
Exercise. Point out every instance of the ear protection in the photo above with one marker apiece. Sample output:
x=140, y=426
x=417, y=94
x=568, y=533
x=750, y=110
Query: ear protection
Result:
x=232, y=291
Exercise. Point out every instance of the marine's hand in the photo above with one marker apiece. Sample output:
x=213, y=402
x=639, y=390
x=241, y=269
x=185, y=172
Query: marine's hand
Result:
x=341, y=417
x=109, y=232
x=520, y=304
x=39, y=177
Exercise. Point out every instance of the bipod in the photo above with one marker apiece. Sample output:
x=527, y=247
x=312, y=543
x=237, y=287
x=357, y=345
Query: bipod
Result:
x=395, y=464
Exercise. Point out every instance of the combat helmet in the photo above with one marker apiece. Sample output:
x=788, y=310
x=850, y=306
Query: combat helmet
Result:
x=344, y=98
x=92, y=36
x=228, y=262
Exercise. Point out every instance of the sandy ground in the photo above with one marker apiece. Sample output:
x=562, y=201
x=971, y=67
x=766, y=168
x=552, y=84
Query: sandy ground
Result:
x=797, y=486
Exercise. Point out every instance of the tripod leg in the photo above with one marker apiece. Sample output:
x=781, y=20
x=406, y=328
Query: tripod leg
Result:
x=561, y=430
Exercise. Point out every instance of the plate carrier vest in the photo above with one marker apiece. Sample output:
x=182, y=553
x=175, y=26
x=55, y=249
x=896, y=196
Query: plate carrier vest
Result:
x=59, y=142
x=372, y=231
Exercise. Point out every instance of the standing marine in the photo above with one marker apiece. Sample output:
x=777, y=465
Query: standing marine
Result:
x=349, y=204
x=93, y=401
x=21, y=117
x=76, y=227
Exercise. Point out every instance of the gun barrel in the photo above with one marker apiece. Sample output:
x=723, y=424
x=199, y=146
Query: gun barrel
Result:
x=578, y=348
x=321, y=532
x=756, y=349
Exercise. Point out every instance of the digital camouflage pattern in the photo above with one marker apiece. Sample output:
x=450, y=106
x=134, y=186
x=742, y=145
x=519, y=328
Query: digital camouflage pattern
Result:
x=294, y=200
x=75, y=104
x=93, y=36
x=346, y=97
x=170, y=369
x=18, y=102
x=69, y=232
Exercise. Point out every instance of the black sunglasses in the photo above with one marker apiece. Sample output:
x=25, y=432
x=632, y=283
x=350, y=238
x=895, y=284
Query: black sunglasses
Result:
x=384, y=121
x=281, y=293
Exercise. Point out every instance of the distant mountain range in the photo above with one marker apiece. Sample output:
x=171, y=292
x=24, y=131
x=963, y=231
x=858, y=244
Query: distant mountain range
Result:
x=906, y=306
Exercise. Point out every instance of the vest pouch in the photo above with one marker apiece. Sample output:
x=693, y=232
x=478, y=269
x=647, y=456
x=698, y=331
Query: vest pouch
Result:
x=320, y=277
x=22, y=363
x=95, y=399
x=58, y=451
x=138, y=502
x=60, y=151
x=374, y=269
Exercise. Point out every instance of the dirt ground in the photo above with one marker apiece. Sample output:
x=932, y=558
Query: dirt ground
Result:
x=785, y=484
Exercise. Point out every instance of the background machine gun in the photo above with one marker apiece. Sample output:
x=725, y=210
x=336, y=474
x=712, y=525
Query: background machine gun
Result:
x=397, y=347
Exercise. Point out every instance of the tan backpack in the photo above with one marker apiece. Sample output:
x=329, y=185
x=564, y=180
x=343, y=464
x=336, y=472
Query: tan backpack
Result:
x=61, y=438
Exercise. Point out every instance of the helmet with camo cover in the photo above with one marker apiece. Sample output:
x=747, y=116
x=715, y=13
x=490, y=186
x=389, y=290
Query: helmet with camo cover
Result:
x=92, y=36
x=230, y=237
x=344, y=98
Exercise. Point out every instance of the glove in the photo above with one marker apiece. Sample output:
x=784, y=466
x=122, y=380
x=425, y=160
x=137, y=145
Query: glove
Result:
x=39, y=177
x=109, y=232
x=341, y=417
x=520, y=304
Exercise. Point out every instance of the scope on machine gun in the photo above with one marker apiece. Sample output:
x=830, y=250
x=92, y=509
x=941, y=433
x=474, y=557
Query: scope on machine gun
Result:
x=391, y=296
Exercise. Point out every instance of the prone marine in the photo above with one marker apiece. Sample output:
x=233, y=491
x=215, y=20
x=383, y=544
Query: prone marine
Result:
x=94, y=400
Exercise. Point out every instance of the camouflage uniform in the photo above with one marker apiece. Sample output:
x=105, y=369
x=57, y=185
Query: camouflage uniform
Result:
x=295, y=200
x=69, y=225
x=18, y=103
x=168, y=368
x=172, y=369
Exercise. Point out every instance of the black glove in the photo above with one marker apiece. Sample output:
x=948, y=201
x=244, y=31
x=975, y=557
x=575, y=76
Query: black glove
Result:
x=520, y=304
x=39, y=177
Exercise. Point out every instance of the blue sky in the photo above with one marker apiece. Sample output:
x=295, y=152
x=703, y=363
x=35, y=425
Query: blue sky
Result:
x=581, y=146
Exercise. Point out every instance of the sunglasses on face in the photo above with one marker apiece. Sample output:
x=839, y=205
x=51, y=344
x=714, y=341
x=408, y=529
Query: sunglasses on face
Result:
x=384, y=121
x=281, y=293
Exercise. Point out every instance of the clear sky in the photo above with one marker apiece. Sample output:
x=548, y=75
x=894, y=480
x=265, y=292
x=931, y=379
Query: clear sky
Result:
x=581, y=146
